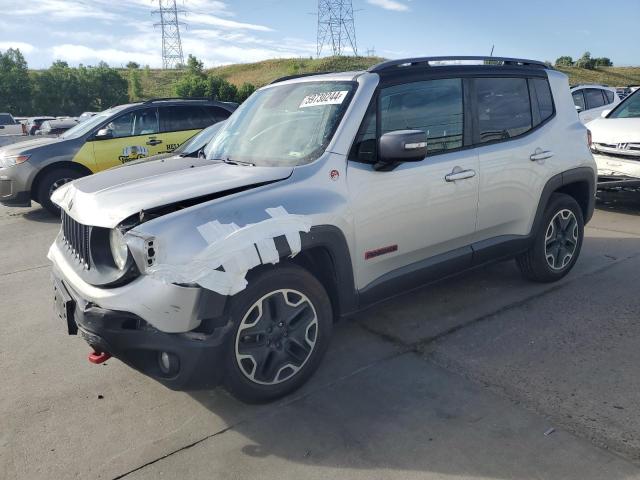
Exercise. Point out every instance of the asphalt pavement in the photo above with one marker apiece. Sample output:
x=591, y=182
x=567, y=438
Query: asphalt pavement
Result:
x=483, y=376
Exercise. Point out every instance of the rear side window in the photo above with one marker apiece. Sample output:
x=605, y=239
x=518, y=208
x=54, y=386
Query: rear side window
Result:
x=176, y=118
x=504, y=108
x=545, y=100
x=218, y=114
x=433, y=106
x=593, y=97
x=609, y=95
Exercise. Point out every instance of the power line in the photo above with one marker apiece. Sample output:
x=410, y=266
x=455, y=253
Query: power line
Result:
x=336, y=26
x=172, y=56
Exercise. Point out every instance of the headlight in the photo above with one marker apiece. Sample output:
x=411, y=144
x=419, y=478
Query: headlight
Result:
x=119, y=249
x=11, y=160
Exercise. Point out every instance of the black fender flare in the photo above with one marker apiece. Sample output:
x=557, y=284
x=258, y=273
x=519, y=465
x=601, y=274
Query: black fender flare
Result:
x=555, y=183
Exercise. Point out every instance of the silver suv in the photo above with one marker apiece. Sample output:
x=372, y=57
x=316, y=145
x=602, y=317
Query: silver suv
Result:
x=320, y=196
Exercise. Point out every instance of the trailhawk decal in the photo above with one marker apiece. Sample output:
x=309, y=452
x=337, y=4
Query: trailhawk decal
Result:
x=326, y=98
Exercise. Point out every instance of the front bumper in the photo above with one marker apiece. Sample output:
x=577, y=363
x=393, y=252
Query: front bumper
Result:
x=15, y=185
x=196, y=356
x=617, y=171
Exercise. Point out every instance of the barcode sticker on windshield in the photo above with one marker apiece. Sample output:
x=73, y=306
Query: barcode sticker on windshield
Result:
x=325, y=98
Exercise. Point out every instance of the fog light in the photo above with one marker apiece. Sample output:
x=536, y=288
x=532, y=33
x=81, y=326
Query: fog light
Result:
x=168, y=363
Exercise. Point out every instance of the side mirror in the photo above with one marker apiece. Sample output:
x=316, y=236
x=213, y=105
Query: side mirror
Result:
x=579, y=108
x=402, y=146
x=605, y=113
x=103, y=134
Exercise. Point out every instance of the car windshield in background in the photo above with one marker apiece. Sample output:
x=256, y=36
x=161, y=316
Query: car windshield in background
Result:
x=629, y=108
x=6, y=119
x=86, y=126
x=284, y=125
x=199, y=140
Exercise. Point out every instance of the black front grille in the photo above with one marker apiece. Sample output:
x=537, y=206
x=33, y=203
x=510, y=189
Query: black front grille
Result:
x=76, y=236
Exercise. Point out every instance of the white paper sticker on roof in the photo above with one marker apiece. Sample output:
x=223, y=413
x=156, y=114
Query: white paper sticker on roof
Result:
x=324, y=98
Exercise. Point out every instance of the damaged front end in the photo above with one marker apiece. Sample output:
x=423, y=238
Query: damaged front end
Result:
x=152, y=289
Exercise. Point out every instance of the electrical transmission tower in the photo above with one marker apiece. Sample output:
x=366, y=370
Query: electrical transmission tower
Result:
x=172, y=56
x=336, y=26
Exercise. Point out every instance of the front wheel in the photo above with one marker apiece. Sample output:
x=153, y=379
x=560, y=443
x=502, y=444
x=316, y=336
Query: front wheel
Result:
x=50, y=183
x=282, y=327
x=557, y=243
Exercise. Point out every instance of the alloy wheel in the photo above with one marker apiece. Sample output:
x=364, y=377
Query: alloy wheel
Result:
x=57, y=184
x=276, y=337
x=561, y=239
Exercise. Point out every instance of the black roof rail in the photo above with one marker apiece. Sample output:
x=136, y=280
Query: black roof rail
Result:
x=426, y=61
x=299, y=75
x=151, y=100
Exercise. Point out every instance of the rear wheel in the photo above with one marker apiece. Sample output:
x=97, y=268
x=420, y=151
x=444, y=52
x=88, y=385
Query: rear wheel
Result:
x=283, y=322
x=50, y=182
x=557, y=243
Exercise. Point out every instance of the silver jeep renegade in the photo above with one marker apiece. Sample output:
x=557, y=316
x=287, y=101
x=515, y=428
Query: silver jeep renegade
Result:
x=320, y=196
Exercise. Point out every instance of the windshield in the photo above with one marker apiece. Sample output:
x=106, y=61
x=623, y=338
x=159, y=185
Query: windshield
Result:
x=86, y=126
x=199, y=140
x=285, y=125
x=629, y=108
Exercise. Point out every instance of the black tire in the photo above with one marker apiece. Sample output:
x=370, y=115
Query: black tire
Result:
x=553, y=246
x=273, y=346
x=49, y=182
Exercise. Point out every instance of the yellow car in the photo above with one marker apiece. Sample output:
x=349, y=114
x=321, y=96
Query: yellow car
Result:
x=34, y=169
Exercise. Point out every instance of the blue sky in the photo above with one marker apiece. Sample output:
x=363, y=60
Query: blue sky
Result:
x=231, y=31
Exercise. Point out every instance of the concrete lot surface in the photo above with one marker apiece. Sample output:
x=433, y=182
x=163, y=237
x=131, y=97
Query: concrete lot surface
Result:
x=482, y=376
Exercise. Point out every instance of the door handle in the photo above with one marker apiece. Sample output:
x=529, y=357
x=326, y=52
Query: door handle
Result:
x=540, y=154
x=459, y=174
x=154, y=141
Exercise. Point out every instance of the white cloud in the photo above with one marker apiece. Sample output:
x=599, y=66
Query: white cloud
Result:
x=207, y=19
x=23, y=46
x=390, y=5
x=115, y=57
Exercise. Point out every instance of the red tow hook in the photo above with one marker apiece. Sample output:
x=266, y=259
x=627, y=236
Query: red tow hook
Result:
x=99, y=357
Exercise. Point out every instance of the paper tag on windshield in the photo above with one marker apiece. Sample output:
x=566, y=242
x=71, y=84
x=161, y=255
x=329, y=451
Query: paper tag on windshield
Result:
x=325, y=98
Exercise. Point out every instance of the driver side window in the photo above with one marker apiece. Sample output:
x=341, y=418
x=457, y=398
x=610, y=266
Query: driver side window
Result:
x=138, y=122
x=433, y=106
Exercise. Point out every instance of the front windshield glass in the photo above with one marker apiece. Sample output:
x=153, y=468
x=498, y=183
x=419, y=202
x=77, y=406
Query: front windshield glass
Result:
x=284, y=125
x=629, y=108
x=199, y=140
x=86, y=126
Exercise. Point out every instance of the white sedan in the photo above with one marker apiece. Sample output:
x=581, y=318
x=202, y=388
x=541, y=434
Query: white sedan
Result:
x=616, y=144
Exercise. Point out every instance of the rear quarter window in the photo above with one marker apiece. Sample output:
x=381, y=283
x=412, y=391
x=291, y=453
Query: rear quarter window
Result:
x=544, y=98
x=504, y=108
x=6, y=120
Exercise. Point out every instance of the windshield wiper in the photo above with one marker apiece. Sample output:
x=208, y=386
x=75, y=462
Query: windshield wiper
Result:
x=237, y=162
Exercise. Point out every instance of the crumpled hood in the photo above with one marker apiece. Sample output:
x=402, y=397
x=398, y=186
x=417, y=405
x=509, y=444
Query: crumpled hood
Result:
x=615, y=130
x=107, y=198
x=28, y=146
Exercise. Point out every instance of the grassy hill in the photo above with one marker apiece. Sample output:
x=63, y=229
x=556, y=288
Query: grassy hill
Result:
x=159, y=83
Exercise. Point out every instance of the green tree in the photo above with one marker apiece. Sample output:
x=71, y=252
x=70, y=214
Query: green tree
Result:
x=228, y=92
x=585, y=61
x=245, y=91
x=107, y=87
x=564, y=61
x=191, y=86
x=194, y=66
x=133, y=66
x=135, y=83
x=194, y=81
x=15, y=83
x=603, y=62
